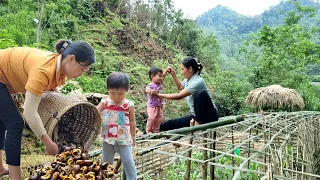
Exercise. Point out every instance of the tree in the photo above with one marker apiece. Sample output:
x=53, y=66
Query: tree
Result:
x=281, y=55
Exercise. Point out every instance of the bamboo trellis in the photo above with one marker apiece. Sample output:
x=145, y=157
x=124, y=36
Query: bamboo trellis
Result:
x=272, y=146
x=278, y=145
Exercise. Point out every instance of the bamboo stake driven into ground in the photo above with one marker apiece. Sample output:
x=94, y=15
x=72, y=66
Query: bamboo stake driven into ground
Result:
x=187, y=175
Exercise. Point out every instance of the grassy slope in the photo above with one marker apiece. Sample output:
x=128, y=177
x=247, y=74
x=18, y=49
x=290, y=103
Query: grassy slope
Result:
x=127, y=48
x=124, y=48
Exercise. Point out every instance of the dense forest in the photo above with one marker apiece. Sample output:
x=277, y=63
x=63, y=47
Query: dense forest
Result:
x=239, y=53
x=232, y=29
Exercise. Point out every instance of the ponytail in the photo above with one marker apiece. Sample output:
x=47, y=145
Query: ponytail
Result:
x=62, y=45
x=194, y=63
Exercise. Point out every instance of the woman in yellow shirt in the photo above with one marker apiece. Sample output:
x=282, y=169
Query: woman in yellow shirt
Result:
x=33, y=71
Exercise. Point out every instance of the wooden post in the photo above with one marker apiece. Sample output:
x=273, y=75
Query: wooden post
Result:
x=249, y=149
x=232, y=158
x=187, y=175
x=264, y=142
x=205, y=157
x=213, y=154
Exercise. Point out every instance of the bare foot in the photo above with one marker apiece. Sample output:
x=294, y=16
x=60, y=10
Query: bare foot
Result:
x=4, y=171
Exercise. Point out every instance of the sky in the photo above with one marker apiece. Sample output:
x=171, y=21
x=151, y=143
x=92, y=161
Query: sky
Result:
x=194, y=8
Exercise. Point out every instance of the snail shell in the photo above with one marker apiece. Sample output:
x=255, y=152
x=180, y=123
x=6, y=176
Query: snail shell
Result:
x=83, y=170
x=76, y=152
x=104, y=165
x=90, y=176
x=70, y=161
x=55, y=176
x=88, y=162
x=79, y=176
x=80, y=162
x=85, y=156
x=34, y=177
x=76, y=168
x=46, y=176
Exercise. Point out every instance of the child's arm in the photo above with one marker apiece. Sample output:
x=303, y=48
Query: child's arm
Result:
x=165, y=73
x=132, y=120
x=100, y=107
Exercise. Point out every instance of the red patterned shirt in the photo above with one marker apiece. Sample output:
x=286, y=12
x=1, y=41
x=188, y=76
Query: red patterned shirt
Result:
x=115, y=122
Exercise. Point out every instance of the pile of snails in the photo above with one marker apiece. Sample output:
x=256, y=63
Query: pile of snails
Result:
x=74, y=164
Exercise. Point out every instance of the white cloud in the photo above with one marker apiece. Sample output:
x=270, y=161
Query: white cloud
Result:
x=194, y=8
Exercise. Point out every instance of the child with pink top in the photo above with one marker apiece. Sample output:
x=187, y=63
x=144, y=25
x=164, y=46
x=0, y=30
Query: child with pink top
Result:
x=154, y=107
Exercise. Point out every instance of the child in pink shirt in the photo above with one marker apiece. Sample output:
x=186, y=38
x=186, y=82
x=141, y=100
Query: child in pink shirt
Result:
x=154, y=107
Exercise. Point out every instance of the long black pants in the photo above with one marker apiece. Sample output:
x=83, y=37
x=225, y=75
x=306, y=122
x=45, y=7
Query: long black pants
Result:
x=203, y=108
x=11, y=127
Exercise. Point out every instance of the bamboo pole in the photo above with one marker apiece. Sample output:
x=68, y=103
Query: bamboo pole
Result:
x=297, y=161
x=303, y=156
x=249, y=148
x=261, y=149
x=187, y=175
x=213, y=154
x=232, y=141
x=235, y=168
x=264, y=142
x=188, y=130
x=174, y=138
x=260, y=134
x=292, y=160
x=205, y=157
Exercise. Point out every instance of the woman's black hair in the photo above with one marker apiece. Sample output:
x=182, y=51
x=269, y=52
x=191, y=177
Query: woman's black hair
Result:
x=82, y=50
x=194, y=63
x=118, y=80
x=154, y=71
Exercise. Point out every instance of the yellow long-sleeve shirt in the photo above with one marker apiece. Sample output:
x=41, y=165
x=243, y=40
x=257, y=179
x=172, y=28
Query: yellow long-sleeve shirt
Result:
x=29, y=69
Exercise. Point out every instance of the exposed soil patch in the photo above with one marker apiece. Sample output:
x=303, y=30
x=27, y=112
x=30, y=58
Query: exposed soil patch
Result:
x=138, y=43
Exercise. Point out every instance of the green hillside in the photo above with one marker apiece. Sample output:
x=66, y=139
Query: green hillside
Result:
x=132, y=36
x=232, y=29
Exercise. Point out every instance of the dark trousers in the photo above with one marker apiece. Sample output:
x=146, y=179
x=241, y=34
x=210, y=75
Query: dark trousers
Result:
x=11, y=127
x=203, y=108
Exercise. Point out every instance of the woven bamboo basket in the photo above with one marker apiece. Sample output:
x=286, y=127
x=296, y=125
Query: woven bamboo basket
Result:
x=69, y=120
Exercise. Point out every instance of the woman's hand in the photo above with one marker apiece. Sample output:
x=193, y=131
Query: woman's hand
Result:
x=170, y=70
x=51, y=147
x=150, y=91
x=155, y=94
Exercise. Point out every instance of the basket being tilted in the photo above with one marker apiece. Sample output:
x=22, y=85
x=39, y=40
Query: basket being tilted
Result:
x=69, y=120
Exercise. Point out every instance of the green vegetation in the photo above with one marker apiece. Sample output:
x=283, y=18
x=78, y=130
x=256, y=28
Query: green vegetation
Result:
x=239, y=53
x=177, y=170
